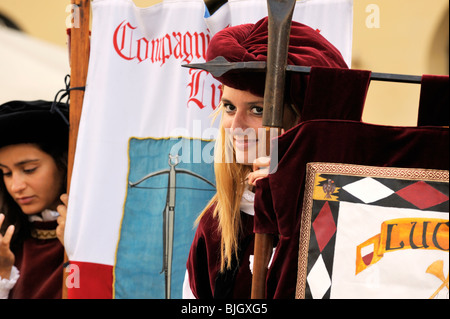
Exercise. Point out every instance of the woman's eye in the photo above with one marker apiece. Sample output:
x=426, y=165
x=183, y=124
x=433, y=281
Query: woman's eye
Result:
x=29, y=170
x=229, y=108
x=257, y=110
x=6, y=173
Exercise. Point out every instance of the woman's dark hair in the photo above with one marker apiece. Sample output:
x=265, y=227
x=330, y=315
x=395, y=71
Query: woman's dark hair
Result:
x=13, y=213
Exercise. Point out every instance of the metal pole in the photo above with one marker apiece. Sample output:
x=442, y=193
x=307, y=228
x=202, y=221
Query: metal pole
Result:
x=280, y=18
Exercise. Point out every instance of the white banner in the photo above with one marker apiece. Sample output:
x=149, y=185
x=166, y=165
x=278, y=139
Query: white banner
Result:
x=400, y=274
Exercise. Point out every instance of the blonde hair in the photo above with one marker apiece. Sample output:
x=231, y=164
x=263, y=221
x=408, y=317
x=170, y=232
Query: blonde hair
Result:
x=230, y=181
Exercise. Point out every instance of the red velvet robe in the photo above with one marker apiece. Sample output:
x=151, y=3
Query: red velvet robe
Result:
x=203, y=265
x=40, y=262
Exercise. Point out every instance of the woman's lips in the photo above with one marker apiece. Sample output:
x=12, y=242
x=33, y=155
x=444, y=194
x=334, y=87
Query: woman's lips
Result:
x=244, y=144
x=25, y=200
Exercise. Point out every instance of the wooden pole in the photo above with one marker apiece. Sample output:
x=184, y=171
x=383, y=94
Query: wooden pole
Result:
x=79, y=45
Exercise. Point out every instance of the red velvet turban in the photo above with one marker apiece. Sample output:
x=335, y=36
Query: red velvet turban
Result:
x=248, y=42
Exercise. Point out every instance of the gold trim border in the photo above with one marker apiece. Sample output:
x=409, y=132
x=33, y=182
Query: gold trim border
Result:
x=43, y=233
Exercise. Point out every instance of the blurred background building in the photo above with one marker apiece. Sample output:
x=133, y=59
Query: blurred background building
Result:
x=394, y=36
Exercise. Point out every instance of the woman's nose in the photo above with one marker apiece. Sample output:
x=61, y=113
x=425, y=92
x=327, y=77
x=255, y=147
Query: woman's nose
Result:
x=239, y=121
x=17, y=183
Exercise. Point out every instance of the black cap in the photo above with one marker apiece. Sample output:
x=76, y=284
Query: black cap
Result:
x=34, y=122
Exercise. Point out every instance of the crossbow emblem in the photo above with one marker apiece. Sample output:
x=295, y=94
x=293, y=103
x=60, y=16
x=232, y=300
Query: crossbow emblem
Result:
x=169, y=212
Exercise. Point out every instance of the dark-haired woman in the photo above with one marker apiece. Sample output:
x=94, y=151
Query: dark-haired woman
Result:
x=33, y=166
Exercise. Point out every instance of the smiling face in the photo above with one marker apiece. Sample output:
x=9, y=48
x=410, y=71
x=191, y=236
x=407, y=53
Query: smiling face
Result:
x=31, y=177
x=242, y=121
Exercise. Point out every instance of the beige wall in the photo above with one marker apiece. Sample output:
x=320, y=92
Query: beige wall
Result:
x=45, y=19
x=411, y=38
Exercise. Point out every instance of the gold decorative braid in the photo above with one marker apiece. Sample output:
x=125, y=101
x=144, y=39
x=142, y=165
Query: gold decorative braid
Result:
x=43, y=233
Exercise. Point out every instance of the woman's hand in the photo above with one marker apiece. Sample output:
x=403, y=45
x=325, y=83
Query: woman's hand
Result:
x=260, y=170
x=62, y=210
x=7, y=257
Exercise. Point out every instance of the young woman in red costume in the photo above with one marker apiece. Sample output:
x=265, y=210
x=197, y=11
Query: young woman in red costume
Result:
x=219, y=262
x=33, y=168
